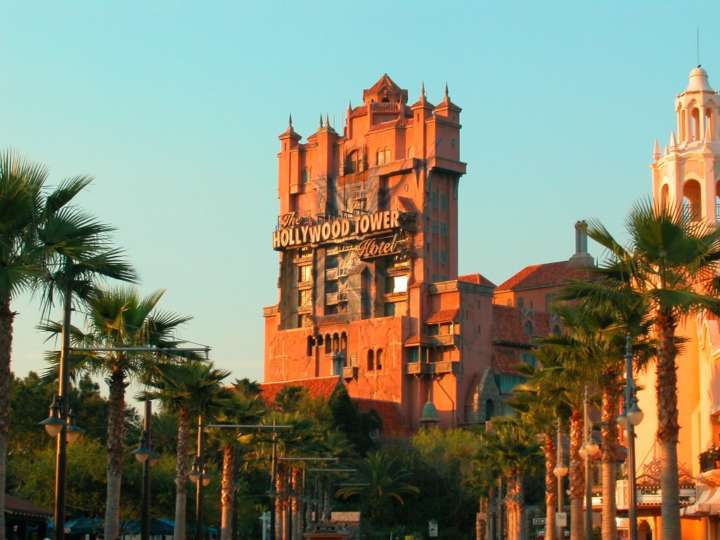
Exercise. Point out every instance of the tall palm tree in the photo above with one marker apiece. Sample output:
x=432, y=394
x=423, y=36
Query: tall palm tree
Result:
x=511, y=445
x=542, y=401
x=119, y=318
x=244, y=406
x=672, y=261
x=614, y=311
x=187, y=389
x=380, y=482
x=39, y=229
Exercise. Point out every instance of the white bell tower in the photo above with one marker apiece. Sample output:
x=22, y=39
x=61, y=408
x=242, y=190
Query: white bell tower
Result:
x=687, y=170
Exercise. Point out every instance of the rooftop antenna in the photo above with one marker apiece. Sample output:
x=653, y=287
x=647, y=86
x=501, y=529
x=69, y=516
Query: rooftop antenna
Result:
x=697, y=45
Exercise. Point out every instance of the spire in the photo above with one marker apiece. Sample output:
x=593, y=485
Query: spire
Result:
x=290, y=121
x=321, y=121
x=422, y=90
x=447, y=94
x=656, y=150
x=327, y=121
x=673, y=143
x=349, y=106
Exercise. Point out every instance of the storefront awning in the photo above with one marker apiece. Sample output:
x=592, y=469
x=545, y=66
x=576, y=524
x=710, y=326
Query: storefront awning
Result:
x=699, y=507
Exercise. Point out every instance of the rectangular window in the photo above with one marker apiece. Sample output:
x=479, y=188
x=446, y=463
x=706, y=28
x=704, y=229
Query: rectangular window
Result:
x=305, y=273
x=331, y=261
x=412, y=354
x=304, y=320
x=389, y=309
x=331, y=310
x=331, y=286
x=305, y=297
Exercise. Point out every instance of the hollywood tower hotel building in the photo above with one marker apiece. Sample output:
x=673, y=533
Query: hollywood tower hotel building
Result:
x=369, y=293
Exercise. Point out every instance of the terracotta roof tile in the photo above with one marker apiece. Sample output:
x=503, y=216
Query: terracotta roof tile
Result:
x=444, y=315
x=388, y=412
x=509, y=325
x=505, y=360
x=543, y=275
x=477, y=279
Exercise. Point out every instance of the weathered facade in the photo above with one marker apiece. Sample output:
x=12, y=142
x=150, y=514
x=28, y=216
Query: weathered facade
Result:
x=368, y=286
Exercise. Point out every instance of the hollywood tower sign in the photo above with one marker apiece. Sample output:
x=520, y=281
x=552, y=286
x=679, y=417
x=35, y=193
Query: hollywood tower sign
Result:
x=368, y=291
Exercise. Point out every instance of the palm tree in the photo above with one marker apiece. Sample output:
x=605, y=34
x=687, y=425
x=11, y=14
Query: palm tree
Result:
x=380, y=482
x=672, y=261
x=510, y=444
x=189, y=389
x=119, y=318
x=39, y=230
x=243, y=407
x=542, y=401
x=613, y=311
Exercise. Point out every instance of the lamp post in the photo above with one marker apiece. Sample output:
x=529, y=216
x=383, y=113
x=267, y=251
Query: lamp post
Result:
x=560, y=471
x=274, y=428
x=630, y=417
x=199, y=475
x=144, y=456
x=588, y=451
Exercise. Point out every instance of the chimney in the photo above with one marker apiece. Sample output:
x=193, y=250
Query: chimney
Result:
x=581, y=257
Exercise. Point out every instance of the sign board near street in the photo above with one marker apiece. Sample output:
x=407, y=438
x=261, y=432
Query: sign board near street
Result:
x=433, y=528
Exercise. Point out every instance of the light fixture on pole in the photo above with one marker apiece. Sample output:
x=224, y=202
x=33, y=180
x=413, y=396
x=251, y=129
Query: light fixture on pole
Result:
x=72, y=431
x=142, y=452
x=53, y=423
x=560, y=471
x=630, y=417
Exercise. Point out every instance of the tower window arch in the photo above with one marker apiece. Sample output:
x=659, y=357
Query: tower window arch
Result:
x=691, y=200
x=664, y=195
x=379, y=359
x=695, y=124
x=370, y=360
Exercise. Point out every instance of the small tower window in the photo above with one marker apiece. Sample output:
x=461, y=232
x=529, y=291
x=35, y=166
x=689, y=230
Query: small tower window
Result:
x=691, y=200
x=370, y=360
x=379, y=359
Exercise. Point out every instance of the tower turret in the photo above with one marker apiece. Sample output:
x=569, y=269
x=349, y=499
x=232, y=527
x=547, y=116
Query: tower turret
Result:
x=687, y=172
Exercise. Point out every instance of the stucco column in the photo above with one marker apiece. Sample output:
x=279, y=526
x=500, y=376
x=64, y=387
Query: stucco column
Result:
x=708, y=192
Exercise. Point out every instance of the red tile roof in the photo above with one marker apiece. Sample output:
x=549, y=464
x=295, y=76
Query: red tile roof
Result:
x=477, y=279
x=388, y=412
x=444, y=315
x=538, y=276
x=505, y=360
x=509, y=325
x=16, y=505
x=321, y=387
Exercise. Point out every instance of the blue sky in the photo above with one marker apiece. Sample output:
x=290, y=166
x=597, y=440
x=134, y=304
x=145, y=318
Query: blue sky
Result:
x=175, y=108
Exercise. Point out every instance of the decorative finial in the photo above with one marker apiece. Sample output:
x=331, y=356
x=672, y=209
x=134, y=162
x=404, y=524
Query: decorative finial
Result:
x=327, y=121
x=290, y=121
x=673, y=143
x=321, y=122
x=656, y=150
x=422, y=89
x=349, y=105
x=447, y=94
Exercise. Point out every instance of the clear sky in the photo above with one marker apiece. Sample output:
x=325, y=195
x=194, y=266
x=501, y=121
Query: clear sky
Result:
x=175, y=108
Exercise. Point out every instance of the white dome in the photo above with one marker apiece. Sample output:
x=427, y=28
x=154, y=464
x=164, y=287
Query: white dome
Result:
x=698, y=81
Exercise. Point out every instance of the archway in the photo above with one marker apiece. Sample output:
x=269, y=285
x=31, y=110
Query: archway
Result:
x=691, y=200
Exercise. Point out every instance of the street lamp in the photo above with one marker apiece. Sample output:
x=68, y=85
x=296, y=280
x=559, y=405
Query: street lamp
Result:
x=560, y=471
x=630, y=417
x=73, y=432
x=53, y=424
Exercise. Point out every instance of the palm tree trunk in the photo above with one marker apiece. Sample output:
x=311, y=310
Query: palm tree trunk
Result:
x=550, y=453
x=513, y=506
x=181, y=476
x=668, y=427
x=577, y=477
x=6, y=333
x=116, y=428
x=609, y=444
x=227, y=492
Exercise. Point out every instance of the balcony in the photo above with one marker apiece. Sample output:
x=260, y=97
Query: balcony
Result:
x=446, y=340
x=433, y=368
x=331, y=273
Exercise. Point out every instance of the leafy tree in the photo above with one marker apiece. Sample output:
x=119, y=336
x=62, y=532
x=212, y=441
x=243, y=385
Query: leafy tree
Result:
x=381, y=483
x=672, y=262
x=357, y=426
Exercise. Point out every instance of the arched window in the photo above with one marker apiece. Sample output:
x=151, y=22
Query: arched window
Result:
x=379, y=359
x=664, y=195
x=683, y=125
x=352, y=162
x=343, y=342
x=489, y=409
x=709, y=125
x=695, y=125
x=691, y=200
x=328, y=344
x=335, y=343
x=310, y=345
x=370, y=360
